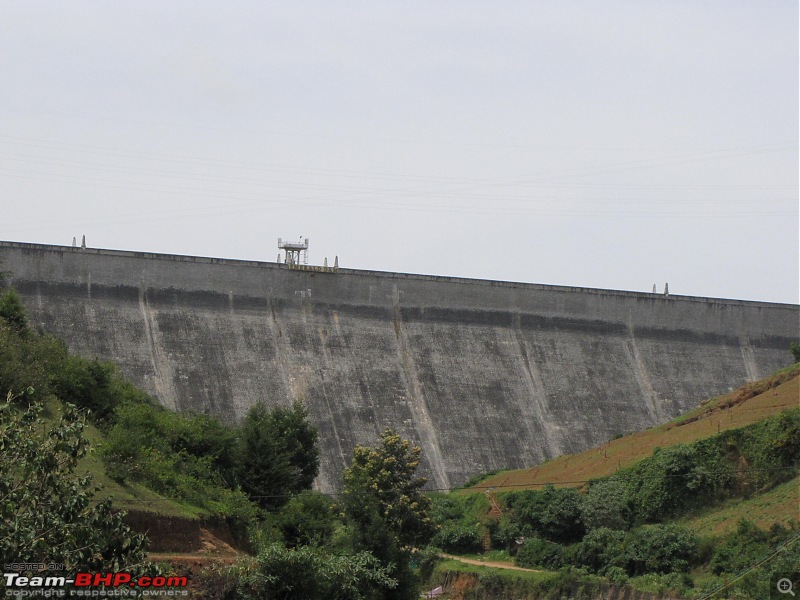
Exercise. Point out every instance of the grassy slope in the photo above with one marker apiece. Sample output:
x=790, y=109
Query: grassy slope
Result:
x=128, y=496
x=744, y=406
x=779, y=505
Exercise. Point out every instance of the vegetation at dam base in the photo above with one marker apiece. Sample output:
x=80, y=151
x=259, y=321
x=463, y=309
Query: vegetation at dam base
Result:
x=381, y=537
x=640, y=526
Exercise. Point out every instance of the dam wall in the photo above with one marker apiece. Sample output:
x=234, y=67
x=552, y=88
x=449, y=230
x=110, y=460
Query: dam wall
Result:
x=483, y=375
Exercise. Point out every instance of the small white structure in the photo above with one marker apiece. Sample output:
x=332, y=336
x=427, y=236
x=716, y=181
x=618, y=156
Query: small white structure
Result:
x=296, y=253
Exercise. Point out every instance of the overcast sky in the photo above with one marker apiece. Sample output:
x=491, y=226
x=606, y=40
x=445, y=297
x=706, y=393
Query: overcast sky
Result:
x=598, y=144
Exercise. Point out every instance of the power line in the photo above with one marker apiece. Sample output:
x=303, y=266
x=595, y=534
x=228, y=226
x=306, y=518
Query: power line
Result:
x=500, y=487
x=753, y=567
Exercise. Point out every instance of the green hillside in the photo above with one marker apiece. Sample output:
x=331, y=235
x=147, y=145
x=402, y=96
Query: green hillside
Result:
x=684, y=509
x=748, y=404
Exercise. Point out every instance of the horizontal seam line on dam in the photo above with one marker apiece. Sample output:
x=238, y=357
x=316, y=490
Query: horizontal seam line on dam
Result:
x=233, y=262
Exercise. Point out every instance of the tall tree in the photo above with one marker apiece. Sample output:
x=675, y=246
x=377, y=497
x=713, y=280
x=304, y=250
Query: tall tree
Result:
x=280, y=456
x=383, y=499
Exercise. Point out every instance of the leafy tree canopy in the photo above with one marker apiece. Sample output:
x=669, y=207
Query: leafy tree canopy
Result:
x=279, y=454
x=12, y=311
x=308, y=573
x=383, y=500
x=383, y=479
x=46, y=510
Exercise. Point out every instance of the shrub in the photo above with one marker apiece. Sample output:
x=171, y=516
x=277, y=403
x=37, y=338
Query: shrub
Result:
x=87, y=384
x=601, y=550
x=605, y=504
x=307, y=519
x=617, y=576
x=537, y=552
x=660, y=549
x=745, y=546
x=552, y=513
x=458, y=537
x=308, y=572
x=13, y=312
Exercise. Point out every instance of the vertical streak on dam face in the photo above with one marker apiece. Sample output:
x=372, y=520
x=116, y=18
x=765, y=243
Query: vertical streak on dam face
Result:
x=539, y=422
x=484, y=375
x=749, y=358
x=419, y=407
x=163, y=384
x=649, y=394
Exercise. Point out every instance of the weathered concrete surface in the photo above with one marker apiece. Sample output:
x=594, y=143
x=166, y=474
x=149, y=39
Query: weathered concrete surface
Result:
x=485, y=375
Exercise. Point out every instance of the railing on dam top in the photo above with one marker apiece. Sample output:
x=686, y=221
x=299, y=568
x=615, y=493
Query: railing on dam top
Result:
x=312, y=268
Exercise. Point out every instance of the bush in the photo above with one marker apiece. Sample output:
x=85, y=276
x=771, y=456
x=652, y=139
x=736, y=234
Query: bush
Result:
x=307, y=519
x=605, y=504
x=186, y=457
x=426, y=560
x=745, y=546
x=308, y=572
x=457, y=537
x=660, y=485
x=87, y=384
x=660, y=549
x=13, y=312
x=601, y=549
x=617, y=576
x=459, y=508
x=47, y=513
x=537, y=552
x=552, y=513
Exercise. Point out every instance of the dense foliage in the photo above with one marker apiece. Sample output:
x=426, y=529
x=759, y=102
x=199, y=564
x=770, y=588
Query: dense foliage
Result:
x=552, y=513
x=307, y=573
x=623, y=526
x=279, y=454
x=463, y=521
x=384, y=502
x=46, y=509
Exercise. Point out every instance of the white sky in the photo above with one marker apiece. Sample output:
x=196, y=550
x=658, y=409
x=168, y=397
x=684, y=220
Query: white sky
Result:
x=601, y=144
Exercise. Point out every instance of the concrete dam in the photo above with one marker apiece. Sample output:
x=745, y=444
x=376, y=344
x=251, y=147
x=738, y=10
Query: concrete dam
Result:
x=483, y=375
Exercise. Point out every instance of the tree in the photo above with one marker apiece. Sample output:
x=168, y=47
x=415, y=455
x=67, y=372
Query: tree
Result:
x=552, y=513
x=307, y=573
x=307, y=520
x=12, y=311
x=299, y=440
x=605, y=504
x=795, y=348
x=46, y=509
x=279, y=454
x=383, y=479
x=383, y=499
x=660, y=549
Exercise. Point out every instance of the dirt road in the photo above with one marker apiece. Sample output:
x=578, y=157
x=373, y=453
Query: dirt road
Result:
x=488, y=563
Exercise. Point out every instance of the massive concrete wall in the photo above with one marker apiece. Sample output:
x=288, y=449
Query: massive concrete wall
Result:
x=484, y=375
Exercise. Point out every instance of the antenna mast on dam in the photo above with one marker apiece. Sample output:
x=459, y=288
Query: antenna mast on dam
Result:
x=294, y=251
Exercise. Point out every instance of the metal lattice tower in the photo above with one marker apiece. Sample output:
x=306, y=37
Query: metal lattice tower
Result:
x=296, y=253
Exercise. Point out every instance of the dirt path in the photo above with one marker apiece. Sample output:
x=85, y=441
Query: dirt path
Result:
x=174, y=557
x=488, y=563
